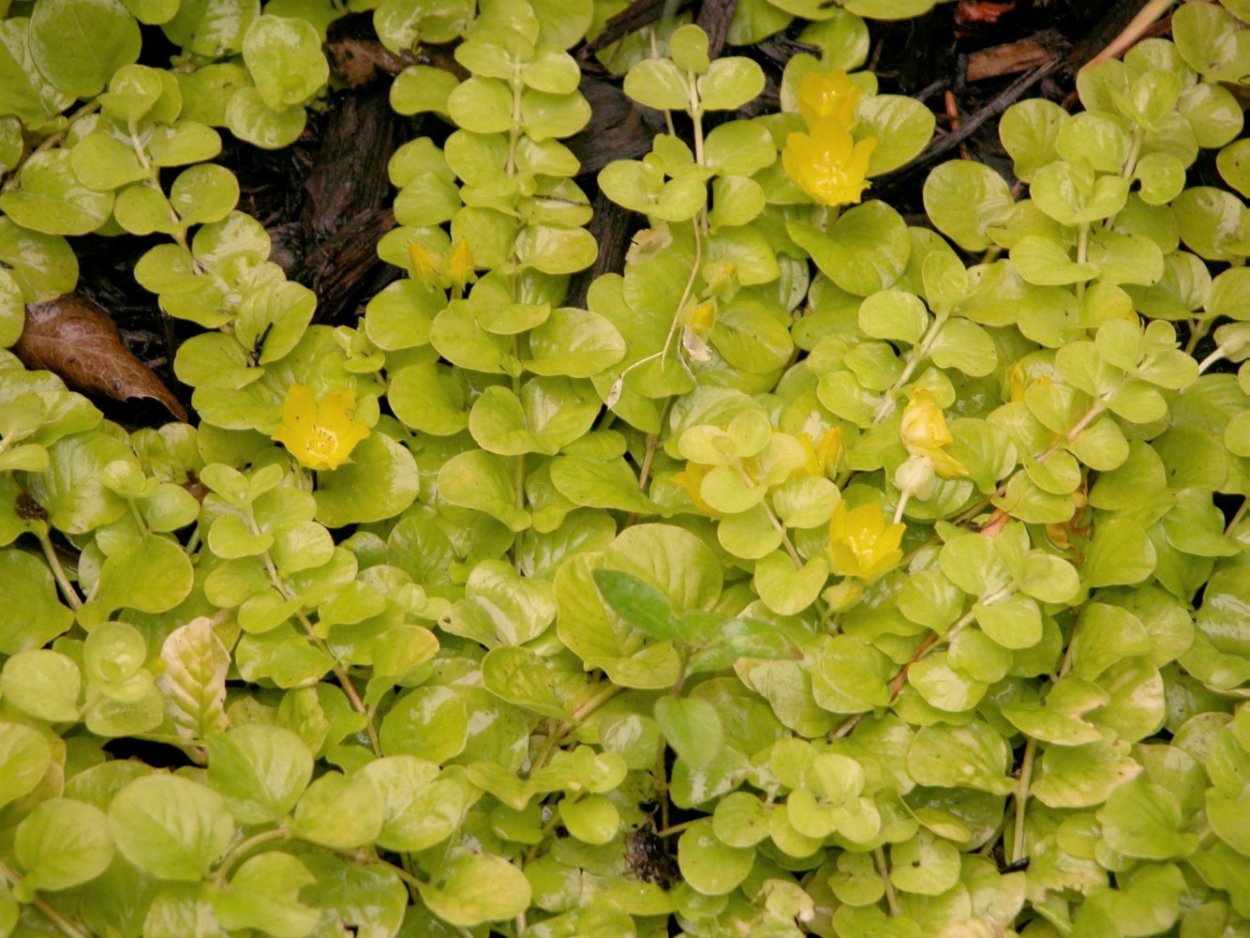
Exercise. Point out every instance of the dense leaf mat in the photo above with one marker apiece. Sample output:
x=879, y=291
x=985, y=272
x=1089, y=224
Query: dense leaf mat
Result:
x=830, y=569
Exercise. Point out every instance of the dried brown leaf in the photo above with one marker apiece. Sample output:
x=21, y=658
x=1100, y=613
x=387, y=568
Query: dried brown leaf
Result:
x=360, y=61
x=75, y=339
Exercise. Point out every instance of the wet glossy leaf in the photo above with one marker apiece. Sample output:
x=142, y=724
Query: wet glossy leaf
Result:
x=30, y=614
x=62, y=843
x=260, y=770
x=170, y=826
x=79, y=46
x=476, y=888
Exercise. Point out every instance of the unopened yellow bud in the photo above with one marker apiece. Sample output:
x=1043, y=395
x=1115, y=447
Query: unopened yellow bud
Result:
x=702, y=318
x=924, y=432
x=426, y=265
x=460, y=270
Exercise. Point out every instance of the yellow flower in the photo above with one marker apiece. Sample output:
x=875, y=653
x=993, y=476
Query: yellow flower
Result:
x=828, y=164
x=702, y=318
x=321, y=436
x=924, y=432
x=832, y=95
x=427, y=267
x=822, y=457
x=862, y=543
x=1017, y=381
x=460, y=269
x=691, y=479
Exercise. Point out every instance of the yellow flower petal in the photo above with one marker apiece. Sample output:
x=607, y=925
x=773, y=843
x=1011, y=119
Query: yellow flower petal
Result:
x=829, y=449
x=832, y=95
x=426, y=265
x=828, y=164
x=924, y=432
x=320, y=436
x=861, y=543
x=460, y=269
x=702, y=318
x=691, y=480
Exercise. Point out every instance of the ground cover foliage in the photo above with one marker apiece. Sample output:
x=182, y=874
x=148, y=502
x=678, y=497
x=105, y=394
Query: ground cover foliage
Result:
x=825, y=571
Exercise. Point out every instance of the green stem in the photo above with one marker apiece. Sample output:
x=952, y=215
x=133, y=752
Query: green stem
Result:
x=676, y=828
x=65, y=926
x=883, y=868
x=138, y=516
x=1197, y=332
x=914, y=359
x=685, y=293
x=193, y=542
x=931, y=643
x=560, y=731
x=1082, y=249
x=1022, y=799
x=236, y=853
x=903, y=498
x=653, y=442
x=345, y=681
x=514, y=133
x=1215, y=356
x=58, y=572
x=1236, y=520
x=340, y=670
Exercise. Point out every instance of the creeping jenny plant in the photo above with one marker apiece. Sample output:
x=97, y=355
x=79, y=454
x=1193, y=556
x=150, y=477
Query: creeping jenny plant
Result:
x=821, y=573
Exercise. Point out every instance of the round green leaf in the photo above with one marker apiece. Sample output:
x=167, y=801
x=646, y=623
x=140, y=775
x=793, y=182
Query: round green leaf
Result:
x=1233, y=163
x=971, y=756
x=50, y=197
x=24, y=91
x=710, y=867
x=170, y=827
x=658, y=83
x=62, y=843
x=379, y=482
x=901, y=126
x=79, y=46
x=421, y=88
x=729, y=83
x=865, y=252
x=260, y=770
x=692, y=728
x=472, y=889
x=339, y=811
x=925, y=865
x=251, y=119
x=44, y=266
x=964, y=199
x=25, y=755
x=592, y=820
x=30, y=613
x=43, y=683
x=429, y=722
x=285, y=59
x=151, y=576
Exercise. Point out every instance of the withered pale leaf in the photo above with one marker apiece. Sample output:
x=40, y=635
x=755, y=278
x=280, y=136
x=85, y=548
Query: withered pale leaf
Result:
x=193, y=683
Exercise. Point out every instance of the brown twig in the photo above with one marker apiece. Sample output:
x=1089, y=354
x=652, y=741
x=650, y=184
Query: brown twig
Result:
x=944, y=145
x=1135, y=30
x=714, y=18
x=638, y=14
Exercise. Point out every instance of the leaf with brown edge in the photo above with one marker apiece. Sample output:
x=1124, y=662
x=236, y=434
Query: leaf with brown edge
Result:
x=75, y=339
